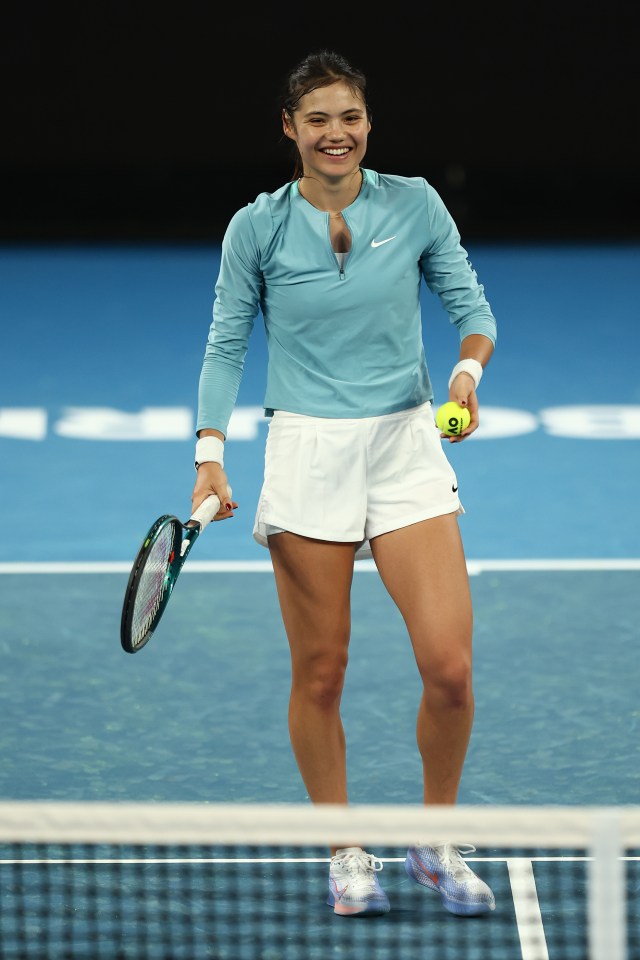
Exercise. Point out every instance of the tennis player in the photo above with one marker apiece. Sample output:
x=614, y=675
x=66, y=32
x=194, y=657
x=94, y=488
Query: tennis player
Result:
x=354, y=463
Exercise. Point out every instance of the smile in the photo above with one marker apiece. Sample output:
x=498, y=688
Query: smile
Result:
x=336, y=151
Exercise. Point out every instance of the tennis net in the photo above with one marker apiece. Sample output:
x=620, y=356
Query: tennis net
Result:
x=184, y=881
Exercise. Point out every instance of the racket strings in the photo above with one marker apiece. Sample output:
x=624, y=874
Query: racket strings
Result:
x=154, y=582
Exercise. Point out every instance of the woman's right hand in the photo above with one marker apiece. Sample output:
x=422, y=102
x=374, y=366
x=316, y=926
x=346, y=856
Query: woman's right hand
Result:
x=211, y=478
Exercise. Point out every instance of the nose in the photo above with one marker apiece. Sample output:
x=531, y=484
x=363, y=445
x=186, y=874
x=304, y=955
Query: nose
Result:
x=335, y=130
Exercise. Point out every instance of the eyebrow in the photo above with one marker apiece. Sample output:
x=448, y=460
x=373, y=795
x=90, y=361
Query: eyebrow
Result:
x=323, y=113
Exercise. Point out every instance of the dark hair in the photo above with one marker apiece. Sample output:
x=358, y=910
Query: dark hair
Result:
x=319, y=69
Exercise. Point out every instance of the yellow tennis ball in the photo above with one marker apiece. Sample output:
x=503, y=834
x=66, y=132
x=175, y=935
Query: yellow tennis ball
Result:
x=452, y=419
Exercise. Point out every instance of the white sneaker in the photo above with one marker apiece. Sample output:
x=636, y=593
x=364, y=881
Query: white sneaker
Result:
x=441, y=868
x=353, y=884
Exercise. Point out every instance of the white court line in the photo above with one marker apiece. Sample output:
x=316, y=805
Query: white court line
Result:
x=475, y=567
x=533, y=943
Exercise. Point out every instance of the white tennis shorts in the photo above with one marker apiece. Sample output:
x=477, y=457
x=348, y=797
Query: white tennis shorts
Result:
x=352, y=480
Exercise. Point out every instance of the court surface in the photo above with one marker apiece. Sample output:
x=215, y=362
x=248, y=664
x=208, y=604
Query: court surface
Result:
x=98, y=382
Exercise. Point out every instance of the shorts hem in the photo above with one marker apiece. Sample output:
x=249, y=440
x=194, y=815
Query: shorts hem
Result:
x=363, y=550
x=313, y=534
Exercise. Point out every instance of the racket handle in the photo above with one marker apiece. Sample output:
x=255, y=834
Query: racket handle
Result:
x=207, y=510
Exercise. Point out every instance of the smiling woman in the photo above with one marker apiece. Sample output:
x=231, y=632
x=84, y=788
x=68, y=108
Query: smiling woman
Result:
x=354, y=466
x=330, y=135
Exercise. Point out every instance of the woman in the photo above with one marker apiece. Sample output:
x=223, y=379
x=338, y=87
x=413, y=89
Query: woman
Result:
x=354, y=463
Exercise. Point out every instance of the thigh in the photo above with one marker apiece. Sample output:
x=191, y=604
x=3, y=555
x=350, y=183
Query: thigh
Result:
x=313, y=580
x=423, y=568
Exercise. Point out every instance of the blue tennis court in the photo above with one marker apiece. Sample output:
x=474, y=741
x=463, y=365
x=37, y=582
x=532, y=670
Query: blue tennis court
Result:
x=98, y=377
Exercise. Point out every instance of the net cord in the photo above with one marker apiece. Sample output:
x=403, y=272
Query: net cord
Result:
x=305, y=824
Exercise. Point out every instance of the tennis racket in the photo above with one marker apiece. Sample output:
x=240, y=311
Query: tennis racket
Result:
x=155, y=571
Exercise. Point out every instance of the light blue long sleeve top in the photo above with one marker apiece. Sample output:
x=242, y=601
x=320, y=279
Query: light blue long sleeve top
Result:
x=343, y=341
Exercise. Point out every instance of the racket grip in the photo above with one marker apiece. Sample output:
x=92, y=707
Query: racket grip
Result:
x=207, y=510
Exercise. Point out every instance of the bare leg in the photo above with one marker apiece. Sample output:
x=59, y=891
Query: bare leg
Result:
x=313, y=580
x=424, y=570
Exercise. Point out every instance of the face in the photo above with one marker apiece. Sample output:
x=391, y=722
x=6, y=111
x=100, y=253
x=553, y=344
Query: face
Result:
x=330, y=128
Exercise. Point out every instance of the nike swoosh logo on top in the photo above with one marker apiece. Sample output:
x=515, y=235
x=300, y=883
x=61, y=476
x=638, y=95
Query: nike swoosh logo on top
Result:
x=378, y=243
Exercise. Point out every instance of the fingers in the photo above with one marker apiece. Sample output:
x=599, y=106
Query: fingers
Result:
x=463, y=393
x=212, y=479
x=226, y=507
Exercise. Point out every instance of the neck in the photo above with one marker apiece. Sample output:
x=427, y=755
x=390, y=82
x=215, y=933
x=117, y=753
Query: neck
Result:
x=330, y=197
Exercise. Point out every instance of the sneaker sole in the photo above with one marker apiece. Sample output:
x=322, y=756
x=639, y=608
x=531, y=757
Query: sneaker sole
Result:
x=371, y=909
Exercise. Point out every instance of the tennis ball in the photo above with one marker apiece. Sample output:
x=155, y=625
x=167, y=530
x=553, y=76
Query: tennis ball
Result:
x=452, y=419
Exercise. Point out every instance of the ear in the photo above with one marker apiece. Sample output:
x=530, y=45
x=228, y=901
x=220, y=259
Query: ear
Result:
x=287, y=126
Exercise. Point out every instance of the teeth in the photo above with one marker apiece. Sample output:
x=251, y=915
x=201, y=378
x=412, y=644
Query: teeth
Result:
x=336, y=153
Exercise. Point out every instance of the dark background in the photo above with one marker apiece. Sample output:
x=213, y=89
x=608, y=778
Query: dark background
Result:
x=134, y=121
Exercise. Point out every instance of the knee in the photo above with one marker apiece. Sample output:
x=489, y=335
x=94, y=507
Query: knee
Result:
x=450, y=685
x=323, y=682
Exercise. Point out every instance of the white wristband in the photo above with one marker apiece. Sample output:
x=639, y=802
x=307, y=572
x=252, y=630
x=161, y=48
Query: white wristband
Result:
x=472, y=367
x=209, y=450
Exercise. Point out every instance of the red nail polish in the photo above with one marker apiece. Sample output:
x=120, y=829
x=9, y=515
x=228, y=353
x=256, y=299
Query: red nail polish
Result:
x=227, y=506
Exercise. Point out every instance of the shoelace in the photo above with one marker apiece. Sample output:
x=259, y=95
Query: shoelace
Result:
x=451, y=856
x=355, y=863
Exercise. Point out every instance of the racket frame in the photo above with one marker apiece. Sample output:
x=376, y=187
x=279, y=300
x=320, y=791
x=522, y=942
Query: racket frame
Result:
x=184, y=537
